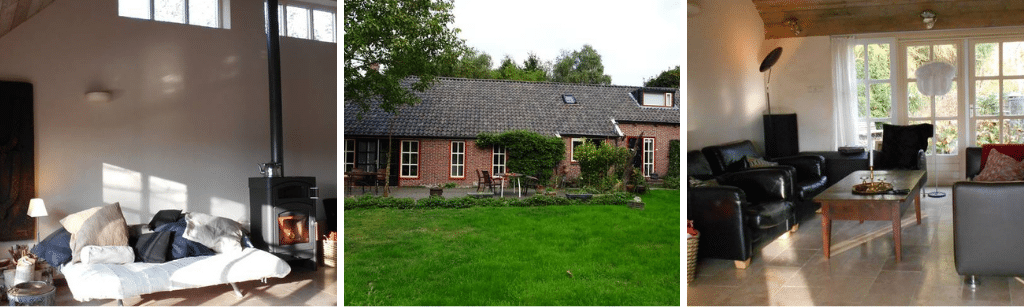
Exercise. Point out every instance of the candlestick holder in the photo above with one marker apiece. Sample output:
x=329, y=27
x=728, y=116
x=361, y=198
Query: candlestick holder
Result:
x=870, y=186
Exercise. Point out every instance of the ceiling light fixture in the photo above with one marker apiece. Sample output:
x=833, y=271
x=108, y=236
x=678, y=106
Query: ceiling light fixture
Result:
x=928, y=17
x=793, y=25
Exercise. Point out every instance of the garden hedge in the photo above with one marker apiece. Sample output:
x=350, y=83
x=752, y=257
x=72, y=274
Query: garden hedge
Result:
x=369, y=201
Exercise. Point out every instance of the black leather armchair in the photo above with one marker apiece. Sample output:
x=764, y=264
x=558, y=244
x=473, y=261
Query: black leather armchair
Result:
x=807, y=171
x=986, y=227
x=745, y=209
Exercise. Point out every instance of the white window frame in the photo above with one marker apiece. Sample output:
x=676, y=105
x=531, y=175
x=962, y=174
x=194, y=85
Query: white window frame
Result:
x=413, y=167
x=457, y=167
x=895, y=109
x=223, y=14
x=572, y=147
x=282, y=20
x=666, y=100
x=350, y=161
x=499, y=160
x=648, y=156
x=933, y=118
x=1001, y=117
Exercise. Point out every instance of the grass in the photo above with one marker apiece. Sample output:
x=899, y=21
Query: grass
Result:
x=515, y=255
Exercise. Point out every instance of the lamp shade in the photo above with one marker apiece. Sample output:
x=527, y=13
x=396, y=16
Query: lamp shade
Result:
x=36, y=208
x=935, y=78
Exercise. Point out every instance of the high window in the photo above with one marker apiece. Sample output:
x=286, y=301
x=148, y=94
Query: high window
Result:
x=205, y=13
x=875, y=83
x=307, y=20
x=648, y=157
x=458, y=159
x=498, y=161
x=410, y=163
x=657, y=99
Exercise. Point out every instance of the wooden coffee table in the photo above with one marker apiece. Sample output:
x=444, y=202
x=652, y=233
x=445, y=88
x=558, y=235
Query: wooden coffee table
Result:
x=839, y=203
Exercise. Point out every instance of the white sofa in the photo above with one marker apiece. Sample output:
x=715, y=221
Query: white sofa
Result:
x=120, y=281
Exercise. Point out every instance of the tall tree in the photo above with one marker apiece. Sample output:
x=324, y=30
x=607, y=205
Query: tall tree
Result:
x=668, y=78
x=583, y=66
x=471, y=64
x=387, y=41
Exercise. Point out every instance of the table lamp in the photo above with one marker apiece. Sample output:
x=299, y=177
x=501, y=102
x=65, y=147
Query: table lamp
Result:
x=36, y=208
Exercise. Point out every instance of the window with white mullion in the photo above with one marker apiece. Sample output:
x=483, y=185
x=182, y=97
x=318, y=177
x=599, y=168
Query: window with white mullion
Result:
x=997, y=90
x=498, y=161
x=458, y=159
x=410, y=159
x=350, y=155
x=943, y=112
x=206, y=13
x=874, y=60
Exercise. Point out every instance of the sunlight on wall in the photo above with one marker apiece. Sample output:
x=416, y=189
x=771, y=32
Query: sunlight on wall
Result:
x=230, y=209
x=125, y=187
x=166, y=194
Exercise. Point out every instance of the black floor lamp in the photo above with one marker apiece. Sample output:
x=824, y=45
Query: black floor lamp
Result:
x=780, y=130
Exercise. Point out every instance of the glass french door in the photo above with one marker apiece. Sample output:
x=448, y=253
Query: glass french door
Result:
x=997, y=90
x=943, y=112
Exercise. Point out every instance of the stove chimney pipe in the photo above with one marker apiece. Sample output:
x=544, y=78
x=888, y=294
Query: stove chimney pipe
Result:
x=275, y=168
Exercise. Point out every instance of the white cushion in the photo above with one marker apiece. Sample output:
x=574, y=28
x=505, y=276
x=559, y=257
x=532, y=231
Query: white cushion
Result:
x=220, y=234
x=107, y=254
x=101, y=226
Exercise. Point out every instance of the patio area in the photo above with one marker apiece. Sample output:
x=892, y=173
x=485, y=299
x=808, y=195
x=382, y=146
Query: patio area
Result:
x=423, y=192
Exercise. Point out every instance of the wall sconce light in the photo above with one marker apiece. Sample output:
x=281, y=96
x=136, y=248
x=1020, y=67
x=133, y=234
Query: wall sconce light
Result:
x=793, y=25
x=98, y=96
x=928, y=17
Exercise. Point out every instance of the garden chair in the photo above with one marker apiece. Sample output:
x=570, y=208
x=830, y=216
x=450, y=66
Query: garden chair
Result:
x=485, y=179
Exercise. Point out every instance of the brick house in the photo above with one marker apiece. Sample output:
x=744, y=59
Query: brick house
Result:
x=434, y=141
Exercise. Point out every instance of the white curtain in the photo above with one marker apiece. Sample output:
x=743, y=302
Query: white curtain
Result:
x=844, y=99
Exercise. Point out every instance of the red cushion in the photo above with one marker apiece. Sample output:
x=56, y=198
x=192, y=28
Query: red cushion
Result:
x=1015, y=151
x=1001, y=168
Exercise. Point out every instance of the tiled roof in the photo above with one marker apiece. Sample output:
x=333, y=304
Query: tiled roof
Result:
x=463, y=108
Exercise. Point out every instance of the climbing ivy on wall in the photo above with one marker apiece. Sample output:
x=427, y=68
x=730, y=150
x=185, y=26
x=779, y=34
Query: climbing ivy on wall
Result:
x=527, y=152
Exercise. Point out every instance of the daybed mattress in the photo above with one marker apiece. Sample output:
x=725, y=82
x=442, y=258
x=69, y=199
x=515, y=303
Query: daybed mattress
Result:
x=120, y=281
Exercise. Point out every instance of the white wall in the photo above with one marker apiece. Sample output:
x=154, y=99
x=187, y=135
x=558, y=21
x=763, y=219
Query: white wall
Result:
x=801, y=83
x=725, y=91
x=189, y=120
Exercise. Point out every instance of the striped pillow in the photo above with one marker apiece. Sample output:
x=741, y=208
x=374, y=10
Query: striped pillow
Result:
x=753, y=162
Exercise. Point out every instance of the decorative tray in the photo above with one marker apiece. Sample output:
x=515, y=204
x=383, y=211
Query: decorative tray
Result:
x=871, y=188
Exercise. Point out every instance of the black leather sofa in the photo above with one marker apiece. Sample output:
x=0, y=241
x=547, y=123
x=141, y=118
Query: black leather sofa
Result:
x=745, y=209
x=807, y=171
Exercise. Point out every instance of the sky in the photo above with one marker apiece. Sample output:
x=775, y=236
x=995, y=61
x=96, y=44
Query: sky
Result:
x=637, y=39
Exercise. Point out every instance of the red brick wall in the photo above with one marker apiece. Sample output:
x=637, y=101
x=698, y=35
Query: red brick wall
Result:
x=435, y=156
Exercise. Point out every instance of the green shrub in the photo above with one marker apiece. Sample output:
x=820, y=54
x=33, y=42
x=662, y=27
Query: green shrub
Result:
x=615, y=199
x=600, y=164
x=369, y=201
x=528, y=152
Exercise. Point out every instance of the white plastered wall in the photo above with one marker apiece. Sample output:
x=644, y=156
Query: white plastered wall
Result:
x=189, y=118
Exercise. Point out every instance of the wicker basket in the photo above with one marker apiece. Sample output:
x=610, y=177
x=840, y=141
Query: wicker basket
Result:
x=331, y=253
x=691, y=257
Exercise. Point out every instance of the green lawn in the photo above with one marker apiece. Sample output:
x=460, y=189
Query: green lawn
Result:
x=515, y=255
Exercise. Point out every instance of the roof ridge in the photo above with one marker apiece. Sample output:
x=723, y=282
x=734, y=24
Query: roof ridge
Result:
x=543, y=82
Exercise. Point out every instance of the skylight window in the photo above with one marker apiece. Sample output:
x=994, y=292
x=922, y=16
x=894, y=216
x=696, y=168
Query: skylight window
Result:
x=205, y=13
x=306, y=21
x=569, y=99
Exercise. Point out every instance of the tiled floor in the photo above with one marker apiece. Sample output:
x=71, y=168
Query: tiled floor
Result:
x=863, y=270
x=299, y=288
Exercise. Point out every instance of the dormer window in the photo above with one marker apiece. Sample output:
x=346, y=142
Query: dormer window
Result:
x=569, y=99
x=657, y=99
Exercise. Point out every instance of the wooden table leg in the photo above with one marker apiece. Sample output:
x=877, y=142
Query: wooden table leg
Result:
x=897, y=229
x=917, y=207
x=826, y=229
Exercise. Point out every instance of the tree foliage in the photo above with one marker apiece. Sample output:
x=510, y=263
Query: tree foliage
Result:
x=527, y=152
x=387, y=41
x=583, y=66
x=668, y=78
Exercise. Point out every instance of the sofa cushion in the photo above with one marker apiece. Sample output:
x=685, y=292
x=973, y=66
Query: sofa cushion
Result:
x=1015, y=151
x=181, y=247
x=1000, y=167
x=758, y=162
x=163, y=217
x=93, y=254
x=219, y=234
x=56, y=248
x=102, y=226
x=153, y=247
x=697, y=166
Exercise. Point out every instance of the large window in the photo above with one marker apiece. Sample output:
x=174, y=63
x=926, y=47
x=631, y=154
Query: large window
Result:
x=458, y=159
x=875, y=82
x=498, y=161
x=410, y=163
x=350, y=155
x=206, y=13
x=998, y=91
x=307, y=21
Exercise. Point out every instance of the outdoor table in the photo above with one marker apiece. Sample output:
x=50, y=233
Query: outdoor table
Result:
x=504, y=177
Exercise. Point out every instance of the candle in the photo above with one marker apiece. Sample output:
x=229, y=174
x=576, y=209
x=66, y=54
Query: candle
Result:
x=871, y=158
